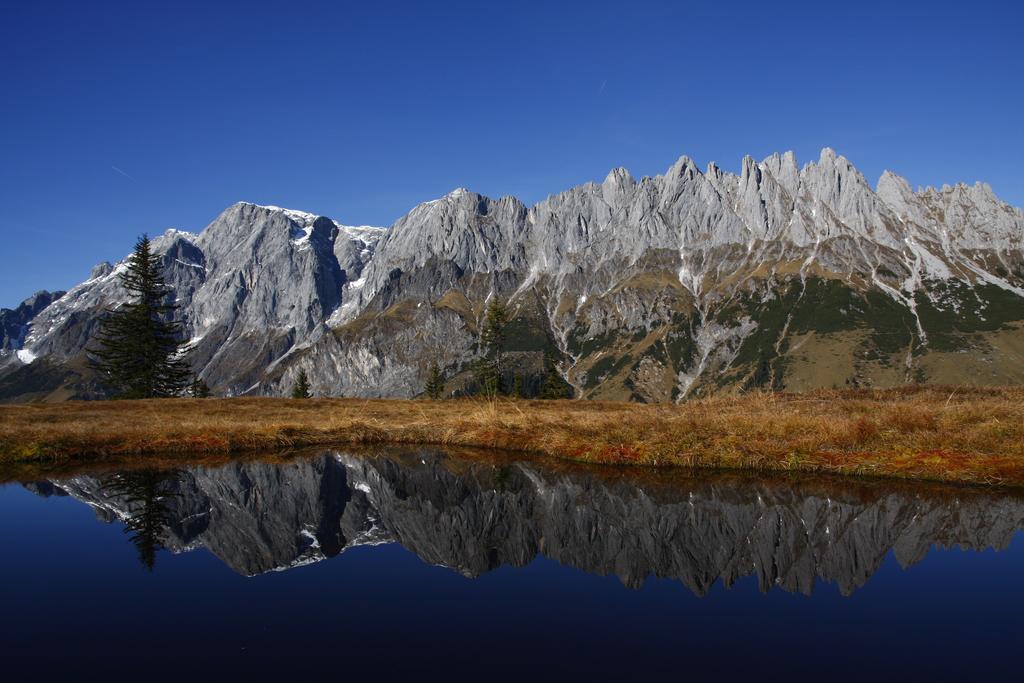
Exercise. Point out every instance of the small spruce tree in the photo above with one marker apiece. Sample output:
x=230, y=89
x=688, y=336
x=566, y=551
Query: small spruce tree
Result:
x=301, y=388
x=492, y=336
x=517, y=386
x=198, y=389
x=553, y=386
x=136, y=350
x=435, y=382
x=485, y=373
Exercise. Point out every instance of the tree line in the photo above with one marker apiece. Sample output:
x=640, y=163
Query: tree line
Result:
x=491, y=373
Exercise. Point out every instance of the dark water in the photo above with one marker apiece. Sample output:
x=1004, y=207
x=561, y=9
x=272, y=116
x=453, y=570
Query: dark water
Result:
x=418, y=563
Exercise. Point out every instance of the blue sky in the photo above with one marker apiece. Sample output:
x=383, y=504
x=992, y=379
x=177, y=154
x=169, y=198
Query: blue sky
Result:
x=120, y=118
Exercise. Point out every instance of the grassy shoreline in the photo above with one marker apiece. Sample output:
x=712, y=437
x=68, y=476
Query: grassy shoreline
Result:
x=961, y=435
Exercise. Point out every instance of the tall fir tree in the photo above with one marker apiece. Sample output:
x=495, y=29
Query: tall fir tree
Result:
x=488, y=369
x=301, y=388
x=136, y=350
x=435, y=382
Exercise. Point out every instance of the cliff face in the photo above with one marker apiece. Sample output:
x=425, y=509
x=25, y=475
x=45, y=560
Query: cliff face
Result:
x=687, y=283
x=251, y=286
x=474, y=516
x=14, y=323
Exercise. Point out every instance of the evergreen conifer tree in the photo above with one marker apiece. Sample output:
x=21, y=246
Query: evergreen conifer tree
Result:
x=553, y=386
x=435, y=382
x=198, y=389
x=137, y=346
x=485, y=372
x=488, y=370
x=301, y=388
x=492, y=336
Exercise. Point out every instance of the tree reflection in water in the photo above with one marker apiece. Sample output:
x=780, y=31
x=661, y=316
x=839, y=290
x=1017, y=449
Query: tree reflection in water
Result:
x=146, y=495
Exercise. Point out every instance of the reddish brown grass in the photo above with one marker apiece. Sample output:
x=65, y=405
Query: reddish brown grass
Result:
x=966, y=435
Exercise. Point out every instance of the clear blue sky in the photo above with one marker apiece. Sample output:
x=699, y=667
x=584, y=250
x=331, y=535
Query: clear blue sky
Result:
x=119, y=118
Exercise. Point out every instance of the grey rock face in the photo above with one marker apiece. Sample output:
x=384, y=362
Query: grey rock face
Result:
x=826, y=211
x=255, y=282
x=475, y=516
x=670, y=257
x=687, y=262
x=14, y=323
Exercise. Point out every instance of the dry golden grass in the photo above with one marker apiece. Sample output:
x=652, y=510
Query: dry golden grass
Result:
x=943, y=434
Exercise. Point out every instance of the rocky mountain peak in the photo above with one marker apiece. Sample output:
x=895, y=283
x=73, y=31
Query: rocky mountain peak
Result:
x=783, y=169
x=683, y=169
x=14, y=324
x=100, y=270
x=896, y=192
x=619, y=176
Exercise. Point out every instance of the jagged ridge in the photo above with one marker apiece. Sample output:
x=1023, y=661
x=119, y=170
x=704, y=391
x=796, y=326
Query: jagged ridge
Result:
x=651, y=289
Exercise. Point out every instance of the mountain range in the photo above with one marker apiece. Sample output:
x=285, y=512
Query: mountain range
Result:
x=654, y=289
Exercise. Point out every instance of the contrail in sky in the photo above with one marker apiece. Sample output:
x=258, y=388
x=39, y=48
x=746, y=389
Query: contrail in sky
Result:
x=123, y=173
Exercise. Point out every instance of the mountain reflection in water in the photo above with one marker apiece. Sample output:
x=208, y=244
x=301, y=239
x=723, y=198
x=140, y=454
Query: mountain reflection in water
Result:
x=474, y=515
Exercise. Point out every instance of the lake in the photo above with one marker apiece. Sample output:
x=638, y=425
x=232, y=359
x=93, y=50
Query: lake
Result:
x=434, y=564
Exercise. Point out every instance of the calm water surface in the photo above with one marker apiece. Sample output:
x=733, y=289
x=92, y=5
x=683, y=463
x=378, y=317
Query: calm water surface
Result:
x=426, y=564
